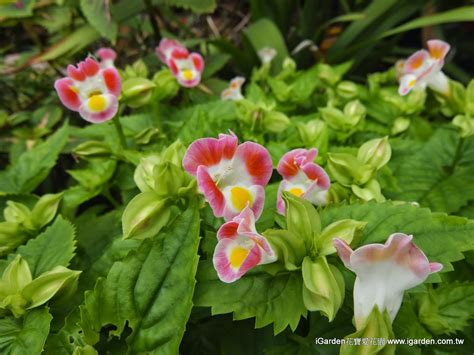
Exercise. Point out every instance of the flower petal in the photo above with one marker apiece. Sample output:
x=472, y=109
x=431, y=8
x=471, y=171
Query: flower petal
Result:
x=67, y=93
x=106, y=54
x=90, y=67
x=166, y=46
x=75, y=73
x=112, y=81
x=209, y=152
x=211, y=192
x=234, y=257
x=290, y=163
x=438, y=49
x=99, y=108
x=256, y=160
x=228, y=230
x=316, y=173
x=198, y=61
x=237, y=198
x=417, y=63
x=407, y=82
x=439, y=82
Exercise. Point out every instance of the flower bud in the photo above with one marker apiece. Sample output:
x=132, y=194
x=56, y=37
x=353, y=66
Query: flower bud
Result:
x=11, y=236
x=169, y=178
x=145, y=215
x=347, y=169
x=275, y=122
x=314, y=134
x=355, y=111
x=347, y=89
x=92, y=148
x=376, y=152
x=400, y=125
x=143, y=175
x=45, y=210
x=16, y=212
x=466, y=125
x=323, y=286
x=166, y=86
x=347, y=229
x=368, y=192
x=137, y=92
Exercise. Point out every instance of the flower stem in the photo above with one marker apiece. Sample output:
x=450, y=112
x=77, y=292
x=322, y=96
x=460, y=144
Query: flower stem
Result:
x=119, y=129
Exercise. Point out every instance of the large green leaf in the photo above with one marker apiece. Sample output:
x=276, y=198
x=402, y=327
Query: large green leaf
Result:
x=270, y=299
x=151, y=288
x=33, y=166
x=443, y=238
x=25, y=335
x=97, y=13
x=52, y=248
x=439, y=174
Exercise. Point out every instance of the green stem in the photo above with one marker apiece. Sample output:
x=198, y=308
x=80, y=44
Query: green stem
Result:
x=119, y=129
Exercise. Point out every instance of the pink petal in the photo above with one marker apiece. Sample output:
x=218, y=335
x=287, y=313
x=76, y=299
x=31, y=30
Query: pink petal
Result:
x=90, y=67
x=198, y=61
x=417, y=62
x=318, y=174
x=209, y=152
x=99, y=117
x=257, y=162
x=75, y=73
x=211, y=192
x=66, y=93
x=438, y=49
x=222, y=263
x=106, y=54
x=291, y=162
x=189, y=83
x=112, y=81
x=344, y=251
x=258, y=194
x=228, y=230
x=407, y=82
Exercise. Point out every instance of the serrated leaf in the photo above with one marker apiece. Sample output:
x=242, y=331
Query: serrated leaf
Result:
x=270, y=299
x=151, y=288
x=26, y=335
x=442, y=238
x=97, y=13
x=448, y=308
x=439, y=175
x=33, y=166
x=55, y=246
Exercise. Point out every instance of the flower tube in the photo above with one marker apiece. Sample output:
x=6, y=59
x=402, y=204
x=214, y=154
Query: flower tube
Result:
x=383, y=273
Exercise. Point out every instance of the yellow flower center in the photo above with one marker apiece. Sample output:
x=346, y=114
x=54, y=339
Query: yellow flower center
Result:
x=237, y=256
x=97, y=103
x=296, y=191
x=187, y=74
x=412, y=83
x=240, y=196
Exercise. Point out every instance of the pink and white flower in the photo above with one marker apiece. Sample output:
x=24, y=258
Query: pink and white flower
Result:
x=185, y=66
x=234, y=91
x=240, y=247
x=229, y=175
x=107, y=57
x=384, y=272
x=90, y=90
x=302, y=177
x=423, y=68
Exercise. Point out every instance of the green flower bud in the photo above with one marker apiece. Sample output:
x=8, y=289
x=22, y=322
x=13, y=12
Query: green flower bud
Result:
x=137, y=92
x=356, y=111
x=347, y=89
x=16, y=276
x=16, y=212
x=145, y=215
x=275, y=122
x=45, y=210
x=377, y=326
x=347, y=169
x=302, y=219
x=146, y=135
x=143, y=174
x=466, y=125
x=92, y=148
x=289, y=247
x=169, y=178
x=327, y=74
x=247, y=111
x=323, y=286
x=289, y=64
x=166, y=86
x=368, y=192
x=376, y=152
x=11, y=236
x=314, y=134
x=469, y=107
x=44, y=287
x=347, y=229
x=174, y=153
x=400, y=125
x=140, y=69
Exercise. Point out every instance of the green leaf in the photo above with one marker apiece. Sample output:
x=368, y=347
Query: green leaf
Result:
x=53, y=247
x=448, y=308
x=201, y=6
x=264, y=33
x=270, y=299
x=25, y=335
x=97, y=13
x=439, y=174
x=151, y=288
x=442, y=238
x=33, y=166
x=10, y=10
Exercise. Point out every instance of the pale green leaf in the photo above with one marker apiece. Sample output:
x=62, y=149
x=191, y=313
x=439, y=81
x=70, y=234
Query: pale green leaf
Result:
x=97, y=13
